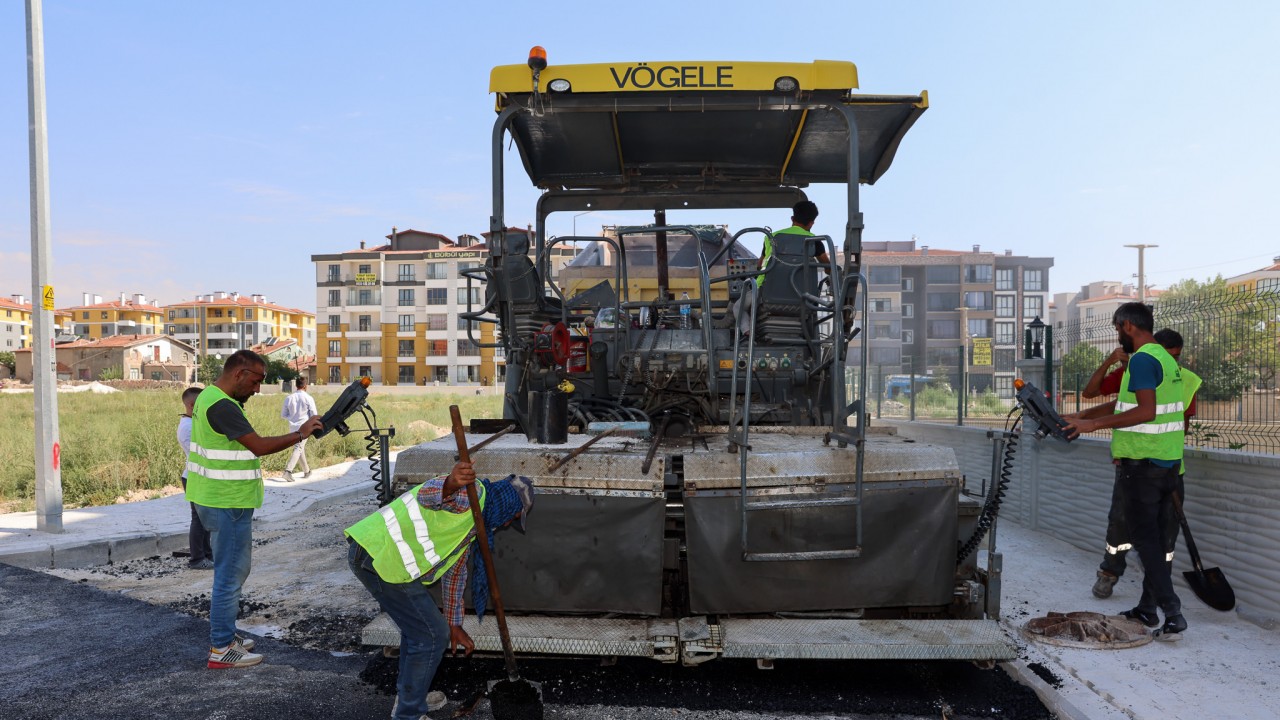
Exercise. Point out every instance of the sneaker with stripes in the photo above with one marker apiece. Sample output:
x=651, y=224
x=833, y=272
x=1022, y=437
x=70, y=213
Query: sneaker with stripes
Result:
x=235, y=655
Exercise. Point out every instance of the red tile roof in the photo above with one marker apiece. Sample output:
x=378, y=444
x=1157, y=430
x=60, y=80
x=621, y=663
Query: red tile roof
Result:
x=242, y=301
x=117, y=305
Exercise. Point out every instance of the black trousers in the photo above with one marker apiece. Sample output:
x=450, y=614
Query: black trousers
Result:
x=1147, y=489
x=1118, y=541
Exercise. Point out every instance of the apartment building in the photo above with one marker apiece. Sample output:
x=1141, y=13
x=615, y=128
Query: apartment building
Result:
x=224, y=322
x=94, y=319
x=15, y=323
x=1264, y=280
x=393, y=312
x=928, y=305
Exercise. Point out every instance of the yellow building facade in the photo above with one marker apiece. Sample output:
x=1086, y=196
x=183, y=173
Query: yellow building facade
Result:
x=94, y=319
x=224, y=322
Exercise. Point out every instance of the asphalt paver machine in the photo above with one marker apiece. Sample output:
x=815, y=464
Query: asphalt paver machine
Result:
x=708, y=485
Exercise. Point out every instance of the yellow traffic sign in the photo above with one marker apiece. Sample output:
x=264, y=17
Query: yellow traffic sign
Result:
x=47, y=297
x=982, y=351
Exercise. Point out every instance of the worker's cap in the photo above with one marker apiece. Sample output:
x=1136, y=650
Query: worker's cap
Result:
x=524, y=489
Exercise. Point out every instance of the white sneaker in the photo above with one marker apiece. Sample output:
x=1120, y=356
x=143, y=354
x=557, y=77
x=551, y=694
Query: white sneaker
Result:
x=287, y=477
x=234, y=655
x=435, y=701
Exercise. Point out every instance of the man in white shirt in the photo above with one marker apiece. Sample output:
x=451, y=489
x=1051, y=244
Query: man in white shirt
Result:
x=297, y=408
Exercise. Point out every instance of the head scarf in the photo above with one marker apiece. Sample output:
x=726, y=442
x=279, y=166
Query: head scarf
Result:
x=502, y=502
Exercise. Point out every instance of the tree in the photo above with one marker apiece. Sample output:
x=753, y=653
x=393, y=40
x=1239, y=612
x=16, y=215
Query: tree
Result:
x=278, y=370
x=209, y=370
x=1078, y=365
x=7, y=360
x=1229, y=335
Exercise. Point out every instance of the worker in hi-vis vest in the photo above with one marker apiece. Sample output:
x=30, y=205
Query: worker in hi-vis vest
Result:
x=224, y=482
x=420, y=538
x=1148, y=434
x=1118, y=544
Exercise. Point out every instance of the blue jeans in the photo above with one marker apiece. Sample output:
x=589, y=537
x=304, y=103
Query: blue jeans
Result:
x=424, y=633
x=231, y=535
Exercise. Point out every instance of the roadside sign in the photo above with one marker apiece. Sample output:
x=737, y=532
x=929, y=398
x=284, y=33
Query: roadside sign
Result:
x=47, y=297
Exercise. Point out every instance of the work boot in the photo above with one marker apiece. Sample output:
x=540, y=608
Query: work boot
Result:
x=1172, y=630
x=1105, y=584
x=234, y=655
x=201, y=564
x=435, y=701
x=1149, y=619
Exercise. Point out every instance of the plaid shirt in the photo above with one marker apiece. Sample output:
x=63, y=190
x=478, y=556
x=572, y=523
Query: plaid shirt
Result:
x=455, y=578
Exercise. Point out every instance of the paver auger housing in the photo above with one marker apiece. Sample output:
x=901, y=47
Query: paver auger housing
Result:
x=732, y=501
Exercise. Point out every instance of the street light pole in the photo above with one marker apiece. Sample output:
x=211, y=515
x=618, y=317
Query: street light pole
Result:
x=44, y=376
x=1142, y=276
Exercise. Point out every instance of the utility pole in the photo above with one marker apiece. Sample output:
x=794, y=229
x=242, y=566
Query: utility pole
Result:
x=44, y=375
x=1142, y=275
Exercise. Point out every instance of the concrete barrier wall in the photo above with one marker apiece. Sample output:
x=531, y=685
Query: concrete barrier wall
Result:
x=1064, y=490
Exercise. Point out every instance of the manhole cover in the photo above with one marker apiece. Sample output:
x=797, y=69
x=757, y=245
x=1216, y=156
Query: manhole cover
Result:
x=1088, y=630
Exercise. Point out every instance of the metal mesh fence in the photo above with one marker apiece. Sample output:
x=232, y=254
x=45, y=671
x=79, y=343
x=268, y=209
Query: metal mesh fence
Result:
x=1230, y=339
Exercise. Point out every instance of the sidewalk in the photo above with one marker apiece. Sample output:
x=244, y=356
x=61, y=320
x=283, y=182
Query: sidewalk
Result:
x=128, y=531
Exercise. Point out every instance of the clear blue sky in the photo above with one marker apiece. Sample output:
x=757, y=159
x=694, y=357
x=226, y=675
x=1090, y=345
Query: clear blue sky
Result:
x=215, y=146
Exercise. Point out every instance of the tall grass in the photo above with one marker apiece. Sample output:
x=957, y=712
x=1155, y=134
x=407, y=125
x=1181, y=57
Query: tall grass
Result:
x=123, y=442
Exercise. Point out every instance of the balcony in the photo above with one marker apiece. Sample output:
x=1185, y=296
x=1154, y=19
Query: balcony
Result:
x=363, y=359
x=364, y=300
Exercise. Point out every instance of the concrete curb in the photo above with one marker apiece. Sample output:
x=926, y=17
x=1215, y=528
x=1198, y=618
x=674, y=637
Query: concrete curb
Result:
x=1061, y=708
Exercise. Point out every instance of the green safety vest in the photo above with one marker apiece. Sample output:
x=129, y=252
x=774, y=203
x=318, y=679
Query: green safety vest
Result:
x=1190, y=384
x=408, y=543
x=1162, y=438
x=221, y=472
x=768, y=249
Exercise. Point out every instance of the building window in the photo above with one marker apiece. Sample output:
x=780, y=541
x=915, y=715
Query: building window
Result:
x=335, y=374
x=364, y=348
x=1004, y=358
x=364, y=323
x=885, y=356
x=437, y=271
x=84, y=316
x=335, y=298
x=468, y=373
x=406, y=297
x=884, y=275
x=465, y=324
x=364, y=269
x=882, y=305
x=104, y=314
x=1004, y=279
x=173, y=329
x=980, y=327
x=1004, y=387
x=437, y=348
x=942, y=274
x=334, y=324
x=406, y=323
x=466, y=348
x=438, y=322
x=173, y=314
x=1032, y=306
x=1004, y=334
x=365, y=371
x=908, y=284
x=248, y=314
x=977, y=273
x=335, y=273
x=942, y=301
x=406, y=272
x=948, y=358
x=943, y=330
x=1268, y=285
x=908, y=310
x=406, y=348
x=881, y=331
x=437, y=296
x=335, y=348
x=405, y=376
x=1033, y=280
x=472, y=294
x=908, y=337
x=977, y=300
x=1004, y=306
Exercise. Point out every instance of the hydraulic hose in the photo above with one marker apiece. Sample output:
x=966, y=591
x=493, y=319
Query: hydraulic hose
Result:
x=991, y=508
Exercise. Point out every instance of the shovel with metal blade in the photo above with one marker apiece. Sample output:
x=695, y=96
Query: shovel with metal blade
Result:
x=1210, y=585
x=513, y=698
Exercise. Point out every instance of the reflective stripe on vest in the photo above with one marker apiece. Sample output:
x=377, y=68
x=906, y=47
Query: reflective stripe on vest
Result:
x=221, y=472
x=408, y=544
x=1162, y=437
